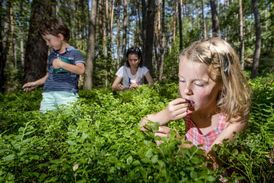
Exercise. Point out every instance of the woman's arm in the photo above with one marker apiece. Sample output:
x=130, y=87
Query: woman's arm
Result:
x=149, y=78
x=116, y=85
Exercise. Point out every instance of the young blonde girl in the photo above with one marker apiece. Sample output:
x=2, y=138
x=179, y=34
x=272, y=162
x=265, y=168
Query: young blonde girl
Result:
x=214, y=95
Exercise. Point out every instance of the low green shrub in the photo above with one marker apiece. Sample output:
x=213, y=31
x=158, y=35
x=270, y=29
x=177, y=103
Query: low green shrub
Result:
x=98, y=140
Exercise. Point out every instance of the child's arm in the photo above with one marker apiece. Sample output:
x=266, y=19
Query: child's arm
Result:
x=78, y=68
x=237, y=126
x=176, y=109
x=117, y=86
x=32, y=85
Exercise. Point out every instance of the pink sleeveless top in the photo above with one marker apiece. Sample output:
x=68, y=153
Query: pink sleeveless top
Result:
x=194, y=134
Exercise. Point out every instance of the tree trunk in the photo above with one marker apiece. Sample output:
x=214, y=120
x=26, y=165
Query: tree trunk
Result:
x=12, y=50
x=4, y=45
x=174, y=23
x=215, y=20
x=143, y=29
x=125, y=27
x=157, y=37
x=163, y=42
x=138, y=31
x=91, y=47
x=257, y=51
x=104, y=28
x=22, y=43
x=242, y=48
x=149, y=34
x=105, y=20
x=204, y=21
x=22, y=58
x=180, y=24
x=36, y=48
x=111, y=26
x=118, y=39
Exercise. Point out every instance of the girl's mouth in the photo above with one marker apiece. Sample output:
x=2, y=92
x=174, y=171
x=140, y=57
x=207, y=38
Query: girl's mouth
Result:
x=190, y=105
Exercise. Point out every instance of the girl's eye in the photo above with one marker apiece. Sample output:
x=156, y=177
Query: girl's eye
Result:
x=182, y=81
x=199, y=83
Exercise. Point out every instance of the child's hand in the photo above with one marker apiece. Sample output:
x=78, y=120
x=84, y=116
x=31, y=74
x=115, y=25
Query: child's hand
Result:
x=29, y=86
x=178, y=109
x=163, y=131
x=143, y=123
x=57, y=63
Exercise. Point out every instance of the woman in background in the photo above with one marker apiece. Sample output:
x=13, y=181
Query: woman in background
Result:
x=132, y=74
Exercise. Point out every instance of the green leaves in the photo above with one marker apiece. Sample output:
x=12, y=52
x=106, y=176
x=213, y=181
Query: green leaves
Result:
x=99, y=140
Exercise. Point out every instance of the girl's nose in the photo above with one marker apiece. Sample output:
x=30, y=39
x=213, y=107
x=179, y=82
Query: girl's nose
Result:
x=188, y=90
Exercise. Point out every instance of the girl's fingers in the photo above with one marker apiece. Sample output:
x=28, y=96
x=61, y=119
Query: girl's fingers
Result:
x=177, y=104
x=159, y=142
x=182, y=115
x=179, y=108
x=164, y=129
x=161, y=134
x=178, y=112
x=178, y=101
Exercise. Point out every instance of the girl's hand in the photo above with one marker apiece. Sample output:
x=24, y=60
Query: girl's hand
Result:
x=29, y=86
x=57, y=63
x=178, y=109
x=163, y=131
x=143, y=123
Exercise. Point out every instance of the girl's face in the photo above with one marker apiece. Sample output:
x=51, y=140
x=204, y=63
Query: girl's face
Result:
x=54, y=42
x=133, y=60
x=197, y=87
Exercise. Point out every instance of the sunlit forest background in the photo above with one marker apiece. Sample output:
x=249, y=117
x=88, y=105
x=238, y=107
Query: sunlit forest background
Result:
x=103, y=30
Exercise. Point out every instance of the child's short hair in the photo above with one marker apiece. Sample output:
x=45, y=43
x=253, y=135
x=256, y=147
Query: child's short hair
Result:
x=137, y=51
x=55, y=26
x=223, y=67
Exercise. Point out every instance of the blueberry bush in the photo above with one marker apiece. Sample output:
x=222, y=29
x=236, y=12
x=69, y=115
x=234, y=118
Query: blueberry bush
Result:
x=99, y=140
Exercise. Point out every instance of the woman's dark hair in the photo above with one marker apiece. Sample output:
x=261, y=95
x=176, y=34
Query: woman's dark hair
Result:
x=137, y=51
x=54, y=26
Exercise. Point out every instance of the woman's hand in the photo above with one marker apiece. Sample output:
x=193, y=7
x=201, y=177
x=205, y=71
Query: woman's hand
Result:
x=120, y=87
x=133, y=85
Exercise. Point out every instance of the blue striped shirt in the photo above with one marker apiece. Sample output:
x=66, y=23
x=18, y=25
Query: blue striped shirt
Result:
x=61, y=79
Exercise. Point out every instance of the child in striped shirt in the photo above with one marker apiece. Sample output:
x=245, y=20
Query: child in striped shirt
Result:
x=65, y=64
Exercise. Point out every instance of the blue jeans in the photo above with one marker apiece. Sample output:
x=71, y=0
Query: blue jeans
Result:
x=53, y=100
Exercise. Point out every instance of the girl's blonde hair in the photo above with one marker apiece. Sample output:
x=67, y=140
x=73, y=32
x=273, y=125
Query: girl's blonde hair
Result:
x=223, y=67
